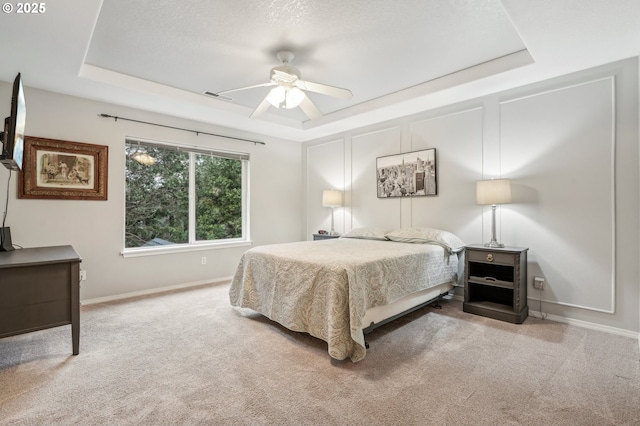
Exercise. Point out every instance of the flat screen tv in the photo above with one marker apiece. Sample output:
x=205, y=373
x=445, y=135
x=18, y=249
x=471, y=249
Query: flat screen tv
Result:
x=13, y=135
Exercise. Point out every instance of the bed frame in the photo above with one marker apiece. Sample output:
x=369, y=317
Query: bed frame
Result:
x=381, y=315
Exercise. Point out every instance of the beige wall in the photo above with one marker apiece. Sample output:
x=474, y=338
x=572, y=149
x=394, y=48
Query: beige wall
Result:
x=545, y=137
x=570, y=147
x=96, y=228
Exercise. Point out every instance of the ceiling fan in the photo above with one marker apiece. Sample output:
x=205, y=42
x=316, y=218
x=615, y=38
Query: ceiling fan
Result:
x=289, y=90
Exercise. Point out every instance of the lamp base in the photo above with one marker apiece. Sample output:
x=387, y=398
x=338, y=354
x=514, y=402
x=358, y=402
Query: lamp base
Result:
x=494, y=244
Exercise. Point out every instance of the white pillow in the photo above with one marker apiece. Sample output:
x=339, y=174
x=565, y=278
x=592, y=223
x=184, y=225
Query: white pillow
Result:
x=442, y=238
x=366, y=234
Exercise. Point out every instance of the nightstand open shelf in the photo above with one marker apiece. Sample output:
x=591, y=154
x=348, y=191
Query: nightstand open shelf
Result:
x=495, y=282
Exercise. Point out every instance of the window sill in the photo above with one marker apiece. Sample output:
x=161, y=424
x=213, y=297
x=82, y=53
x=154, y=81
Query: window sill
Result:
x=182, y=248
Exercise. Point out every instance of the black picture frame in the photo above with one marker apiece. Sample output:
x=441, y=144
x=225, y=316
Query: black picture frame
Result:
x=410, y=174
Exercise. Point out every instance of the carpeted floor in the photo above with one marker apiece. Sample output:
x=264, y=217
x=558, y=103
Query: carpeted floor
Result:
x=188, y=357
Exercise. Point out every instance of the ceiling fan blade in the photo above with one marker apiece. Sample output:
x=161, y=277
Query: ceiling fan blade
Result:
x=310, y=109
x=324, y=89
x=261, y=109
x=243, y=88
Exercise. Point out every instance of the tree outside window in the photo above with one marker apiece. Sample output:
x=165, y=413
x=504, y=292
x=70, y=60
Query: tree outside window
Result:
x=178, y=195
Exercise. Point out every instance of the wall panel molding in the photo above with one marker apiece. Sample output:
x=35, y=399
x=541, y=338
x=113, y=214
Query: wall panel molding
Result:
x=325, y=169
x=568, y=133
x=366, y=208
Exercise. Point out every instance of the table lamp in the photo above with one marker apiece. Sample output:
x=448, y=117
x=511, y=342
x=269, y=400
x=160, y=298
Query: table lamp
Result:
x=494, y=191
x=332, y=198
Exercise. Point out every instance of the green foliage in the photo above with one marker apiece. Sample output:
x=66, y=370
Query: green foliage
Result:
x=157, y=197
x=219, y=198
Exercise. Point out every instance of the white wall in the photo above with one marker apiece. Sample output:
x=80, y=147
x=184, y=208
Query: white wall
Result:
x=96, y=228
x=570, y=147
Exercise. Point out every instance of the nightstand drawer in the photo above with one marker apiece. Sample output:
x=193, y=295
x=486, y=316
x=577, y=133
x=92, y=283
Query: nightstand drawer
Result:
x=491, y=257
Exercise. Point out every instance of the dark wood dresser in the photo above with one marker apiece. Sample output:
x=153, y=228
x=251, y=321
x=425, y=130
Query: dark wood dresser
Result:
x=40, y=288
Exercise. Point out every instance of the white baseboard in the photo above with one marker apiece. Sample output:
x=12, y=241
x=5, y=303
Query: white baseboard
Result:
x=152, y=291
x=556, y=318
x=580, y=323
x=589, y=325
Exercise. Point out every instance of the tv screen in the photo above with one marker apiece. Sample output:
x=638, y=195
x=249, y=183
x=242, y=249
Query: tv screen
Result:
x=13, y=136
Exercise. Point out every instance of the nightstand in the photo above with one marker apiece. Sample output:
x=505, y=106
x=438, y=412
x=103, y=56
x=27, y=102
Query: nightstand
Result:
x=324, y=237
x=495, y=282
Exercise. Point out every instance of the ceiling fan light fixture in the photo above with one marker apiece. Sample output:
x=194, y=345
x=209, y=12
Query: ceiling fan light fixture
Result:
x=277, y=96
x=289, y=90
x=285, y=97
x=294, y=97
x=143, y=158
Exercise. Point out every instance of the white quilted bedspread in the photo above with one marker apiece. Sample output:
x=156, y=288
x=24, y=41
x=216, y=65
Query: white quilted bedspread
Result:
x=325, y=287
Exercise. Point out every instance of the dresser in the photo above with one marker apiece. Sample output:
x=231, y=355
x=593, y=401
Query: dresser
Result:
x=40, y=288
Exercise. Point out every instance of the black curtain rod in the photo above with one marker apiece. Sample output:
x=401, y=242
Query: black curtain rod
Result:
x=197, y=132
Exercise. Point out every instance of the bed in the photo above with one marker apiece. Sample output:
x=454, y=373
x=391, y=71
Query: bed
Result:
x=335, y=289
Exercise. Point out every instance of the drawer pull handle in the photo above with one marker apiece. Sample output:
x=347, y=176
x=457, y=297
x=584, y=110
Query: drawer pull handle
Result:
x=490, y=279
x=490, y=257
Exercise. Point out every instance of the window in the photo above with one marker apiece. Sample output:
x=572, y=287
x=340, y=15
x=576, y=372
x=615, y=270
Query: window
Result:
x=182, y=195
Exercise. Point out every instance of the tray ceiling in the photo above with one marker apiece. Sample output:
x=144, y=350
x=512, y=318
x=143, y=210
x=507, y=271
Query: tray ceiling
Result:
x=396, y=57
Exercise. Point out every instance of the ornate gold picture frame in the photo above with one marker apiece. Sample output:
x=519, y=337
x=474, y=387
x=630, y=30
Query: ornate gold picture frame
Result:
x=55, y=169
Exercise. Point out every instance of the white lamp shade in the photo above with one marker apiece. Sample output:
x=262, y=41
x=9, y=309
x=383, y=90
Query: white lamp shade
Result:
x=331, y=198
x=494, y=191
x=294, y=97
x=276, y=96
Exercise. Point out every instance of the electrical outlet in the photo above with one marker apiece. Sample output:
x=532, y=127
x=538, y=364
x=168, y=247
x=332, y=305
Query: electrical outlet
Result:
x=83, y=275
x=538, y=283
x=204, y=260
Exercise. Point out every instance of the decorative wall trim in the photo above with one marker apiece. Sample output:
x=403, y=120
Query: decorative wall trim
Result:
x=414, y=123
x=358, y=140
x=311, y=204
x=380, y=130
x=612, y=159
x=557, y=89
x=571, y=305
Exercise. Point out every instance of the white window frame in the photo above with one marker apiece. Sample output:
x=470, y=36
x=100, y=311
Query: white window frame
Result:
x=194, y=245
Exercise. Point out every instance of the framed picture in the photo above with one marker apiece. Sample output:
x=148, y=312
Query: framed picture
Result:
x=412, y=174
x=65, y=170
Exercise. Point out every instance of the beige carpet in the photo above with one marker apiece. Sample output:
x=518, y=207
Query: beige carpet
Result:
x=190, y=358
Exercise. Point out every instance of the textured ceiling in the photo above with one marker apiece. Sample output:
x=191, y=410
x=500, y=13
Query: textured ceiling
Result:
x=397, y=57
x=373, y=47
